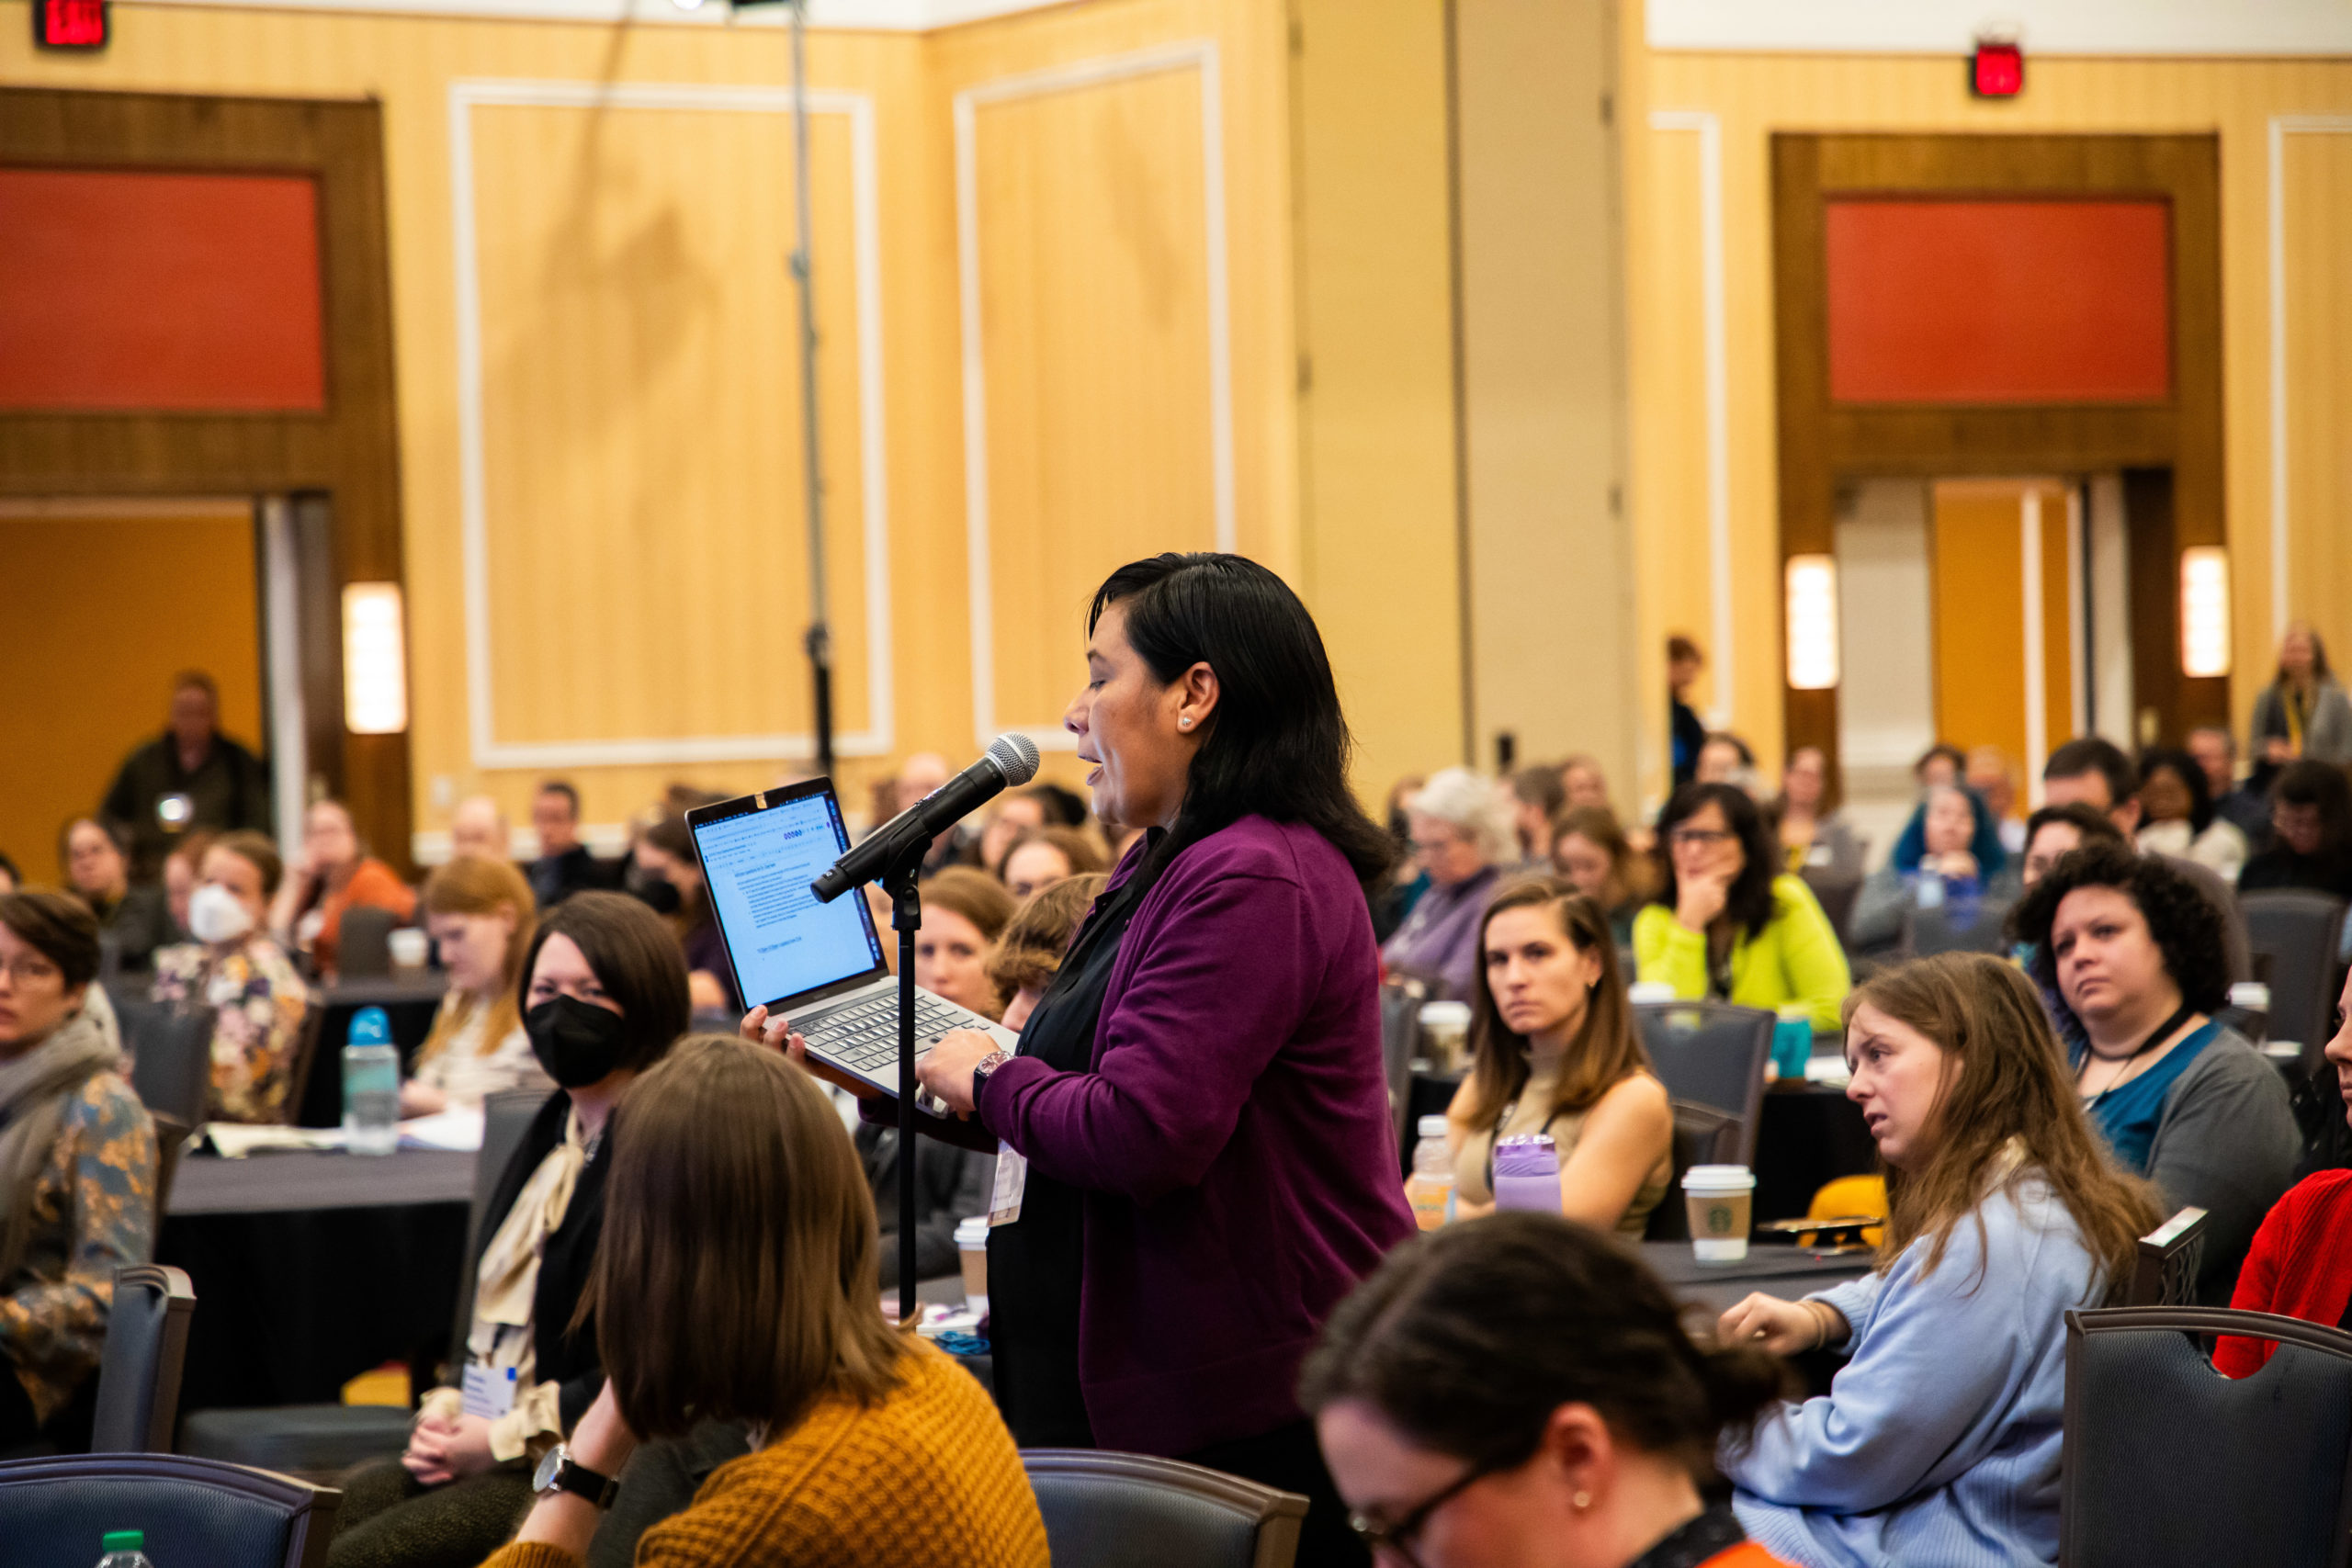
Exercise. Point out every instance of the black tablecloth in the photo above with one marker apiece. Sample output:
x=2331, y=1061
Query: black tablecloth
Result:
x=1781, y=1270
x=312, y=1268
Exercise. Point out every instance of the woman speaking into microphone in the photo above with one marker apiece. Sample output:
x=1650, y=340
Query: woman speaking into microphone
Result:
x=1198, y=1101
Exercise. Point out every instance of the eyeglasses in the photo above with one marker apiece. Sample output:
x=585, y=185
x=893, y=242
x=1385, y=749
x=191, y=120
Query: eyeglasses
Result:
x=27, y=968
x=1699, y=837
x=1378, y=1537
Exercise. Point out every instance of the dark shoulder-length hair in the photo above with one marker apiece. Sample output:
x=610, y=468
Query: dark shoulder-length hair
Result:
x=736, y=1273
x=1748, y=902
x=634, y=956
x=1608, y=1049
x=1277, y=745
x=2186, y=928
x=2184, y=767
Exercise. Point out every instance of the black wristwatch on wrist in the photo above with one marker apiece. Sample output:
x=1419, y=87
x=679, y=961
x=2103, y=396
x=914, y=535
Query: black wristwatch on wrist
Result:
x=983, y=1067
x=558, y=1471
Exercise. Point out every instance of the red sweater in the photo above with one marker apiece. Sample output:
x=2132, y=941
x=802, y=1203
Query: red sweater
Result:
x=2299, y=1266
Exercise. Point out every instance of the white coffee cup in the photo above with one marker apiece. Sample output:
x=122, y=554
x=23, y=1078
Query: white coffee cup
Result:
x=1722, y=1200
x=972, y=1250
x=1642, y=993
x=409, y=947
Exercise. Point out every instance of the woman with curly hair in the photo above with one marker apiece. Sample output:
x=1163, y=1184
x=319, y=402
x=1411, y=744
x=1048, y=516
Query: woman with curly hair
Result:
x=2132, y=954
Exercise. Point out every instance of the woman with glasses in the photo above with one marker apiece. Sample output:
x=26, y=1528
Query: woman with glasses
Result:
x=1724, y=926
x=1462, y=836
x=1519, y=1391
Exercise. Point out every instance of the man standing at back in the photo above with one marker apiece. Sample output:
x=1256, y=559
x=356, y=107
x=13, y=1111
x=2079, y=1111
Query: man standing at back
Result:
x=190, y=776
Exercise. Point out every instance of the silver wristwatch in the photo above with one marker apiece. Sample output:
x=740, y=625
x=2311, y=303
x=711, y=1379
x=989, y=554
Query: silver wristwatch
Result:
x=558, y=1471
x=983, y=1067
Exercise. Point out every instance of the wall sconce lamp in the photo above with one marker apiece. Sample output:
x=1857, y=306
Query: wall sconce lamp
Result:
x=1811, y=583
x=2205, y=611
x=375, y=659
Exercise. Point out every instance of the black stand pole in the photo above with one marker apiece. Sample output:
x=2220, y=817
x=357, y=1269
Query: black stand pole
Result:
x=906, y=919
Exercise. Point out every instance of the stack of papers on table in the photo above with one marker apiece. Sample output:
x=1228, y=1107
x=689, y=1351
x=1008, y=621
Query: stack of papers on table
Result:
x=457, y=1130
x=235, y=1140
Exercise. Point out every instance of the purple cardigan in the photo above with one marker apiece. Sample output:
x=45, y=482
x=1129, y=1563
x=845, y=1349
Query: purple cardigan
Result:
x=1233, y=1139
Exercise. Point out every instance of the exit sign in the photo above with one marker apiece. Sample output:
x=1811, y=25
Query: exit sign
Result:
x=1997, y=70
x=70, y=24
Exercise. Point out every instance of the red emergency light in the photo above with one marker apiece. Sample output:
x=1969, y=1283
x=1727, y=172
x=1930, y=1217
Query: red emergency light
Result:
x=70, y=24
x=1997, y=70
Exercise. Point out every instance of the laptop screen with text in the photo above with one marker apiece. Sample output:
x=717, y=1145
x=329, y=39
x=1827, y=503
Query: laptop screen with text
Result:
x=759, y=866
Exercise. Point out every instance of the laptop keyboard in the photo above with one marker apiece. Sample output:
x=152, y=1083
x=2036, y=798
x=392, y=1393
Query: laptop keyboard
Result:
x=864, y=1036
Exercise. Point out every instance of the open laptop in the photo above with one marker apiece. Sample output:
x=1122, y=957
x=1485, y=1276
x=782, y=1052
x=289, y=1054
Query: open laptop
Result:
x=820, y=964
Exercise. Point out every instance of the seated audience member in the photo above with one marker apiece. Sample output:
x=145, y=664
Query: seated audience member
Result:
x=1938, y=1438
x=1945, y=873
x=478, y=827
x=1064, y=808
x=77, y=1166
x=1029, y=955
x=1462, y=838
x=964, y=912
x=1989, y=779
x=2310, y=833
x=98, y=866
x=1537, y=797
x=1685, y=732
x=565, y=866
x=2132, y=952
x=918, y=777
x=9, y=880
x=480, y=914
x=671, y=866
x=2303, y=712
x=188, y=777
x=1043, y=856
x=603, y=998
x=1726, y=923
x=1813, y=833
x=1583, y=785
x=1590, y=853
x=1519, y=1392
x=1727, y=759
x=2096, y=772
x=333, y=873
x=1984, y=844
x=235, y=966
x=2178, y=818
x=1394, y=894
x=2055, y=831
x=1943, y=763
x=2300, y=1263
x=1554, y=1050
x=737, y=1284
x=2216, y=751
x=1011, y=816
x=183, y=869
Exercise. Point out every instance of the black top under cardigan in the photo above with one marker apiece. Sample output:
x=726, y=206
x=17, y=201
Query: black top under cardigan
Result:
x=564, y=1355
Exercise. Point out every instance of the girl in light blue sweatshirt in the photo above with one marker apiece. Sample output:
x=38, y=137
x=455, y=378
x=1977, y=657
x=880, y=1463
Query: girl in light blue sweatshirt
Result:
x=1938, y=1440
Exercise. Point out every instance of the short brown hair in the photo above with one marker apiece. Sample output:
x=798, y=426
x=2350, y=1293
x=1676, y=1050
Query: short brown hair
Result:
x=975, y=895
x=257, y=851
x=635, y=958
x=1030, y=951
x=60, y=928
x=736, y=1275
x=1078, y=848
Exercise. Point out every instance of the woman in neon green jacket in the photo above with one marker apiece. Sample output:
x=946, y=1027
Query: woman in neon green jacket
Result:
x=1724, y=926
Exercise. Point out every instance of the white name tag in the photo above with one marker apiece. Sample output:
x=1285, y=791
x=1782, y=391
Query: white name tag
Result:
x=1011, y=1180
x=489, y=1391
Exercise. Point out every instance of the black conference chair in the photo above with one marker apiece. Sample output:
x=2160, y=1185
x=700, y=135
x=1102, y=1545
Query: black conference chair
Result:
x=2237, y=954
x=1934, y=931
x=2170, y=1257
x=363, y=944
x=2169, y=1464
x=2299, y=931
x=1712, y=1054
x=139, y=1376
x=1702, y=1135
x=323, y=1440
x=54, y=1512
x=171, y=1058
x=1836, y=893
x=1400, y=1042
x=1113, y=1510
x=171, y=1141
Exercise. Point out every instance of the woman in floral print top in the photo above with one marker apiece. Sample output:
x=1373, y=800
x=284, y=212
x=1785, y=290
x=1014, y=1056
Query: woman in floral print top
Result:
x=236, y=968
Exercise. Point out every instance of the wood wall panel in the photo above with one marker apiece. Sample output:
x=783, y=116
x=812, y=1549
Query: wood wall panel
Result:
x=2318, y=190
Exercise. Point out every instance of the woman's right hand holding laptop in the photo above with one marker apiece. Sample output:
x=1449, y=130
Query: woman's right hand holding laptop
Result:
x=778, y=1034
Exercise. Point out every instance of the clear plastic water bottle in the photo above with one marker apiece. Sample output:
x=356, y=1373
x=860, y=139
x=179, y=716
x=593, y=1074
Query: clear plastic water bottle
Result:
x=1430, y=1190
x=1527, y=1173
x=371, y=1085
x=123, y=1549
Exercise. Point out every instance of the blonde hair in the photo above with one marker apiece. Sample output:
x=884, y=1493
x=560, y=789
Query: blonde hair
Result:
x=471, y=885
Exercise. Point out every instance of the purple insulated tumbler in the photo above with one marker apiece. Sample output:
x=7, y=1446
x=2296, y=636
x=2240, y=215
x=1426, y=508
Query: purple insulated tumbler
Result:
x=1527, y=1173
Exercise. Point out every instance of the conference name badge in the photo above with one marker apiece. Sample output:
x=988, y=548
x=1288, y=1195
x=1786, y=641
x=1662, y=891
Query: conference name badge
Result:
x=489, y=1391
x=1011, y=1180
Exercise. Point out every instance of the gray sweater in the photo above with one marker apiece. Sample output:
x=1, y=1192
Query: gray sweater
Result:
x=2329, y=738
x=2225, y=1142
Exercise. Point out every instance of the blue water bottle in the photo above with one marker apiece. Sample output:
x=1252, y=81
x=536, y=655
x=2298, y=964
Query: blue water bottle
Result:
x=371, y=1085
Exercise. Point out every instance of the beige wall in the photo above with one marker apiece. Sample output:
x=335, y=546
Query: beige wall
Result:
x=1752, y=96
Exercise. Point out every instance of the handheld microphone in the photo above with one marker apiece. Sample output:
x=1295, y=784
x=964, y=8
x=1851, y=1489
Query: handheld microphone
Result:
x=1011, y=759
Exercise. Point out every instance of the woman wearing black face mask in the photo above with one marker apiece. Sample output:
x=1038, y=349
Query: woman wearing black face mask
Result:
x=604, y=995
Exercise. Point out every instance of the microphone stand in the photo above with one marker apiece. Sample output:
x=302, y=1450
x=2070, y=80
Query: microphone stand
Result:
x=906, y=919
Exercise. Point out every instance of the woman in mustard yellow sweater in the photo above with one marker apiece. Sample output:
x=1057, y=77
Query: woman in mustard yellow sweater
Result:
x=737, y=1281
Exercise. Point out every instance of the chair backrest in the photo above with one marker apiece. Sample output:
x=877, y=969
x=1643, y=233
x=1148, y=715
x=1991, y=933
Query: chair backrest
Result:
x=1934, y=931
x=54, y=1511
x=306, y=1057
x=1712, y=1054
x=363, y=942
x=2167, y=1463
x=1400, y=1040
x=1113, y=1510
x=505, y=1118
x=2170, y=1257
x=171, y=1058
x=2298, y=931
x=139, y=1376
x=1702, y=1135
x=1836, y=893
x=2236, y=951
x=171, y=1140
